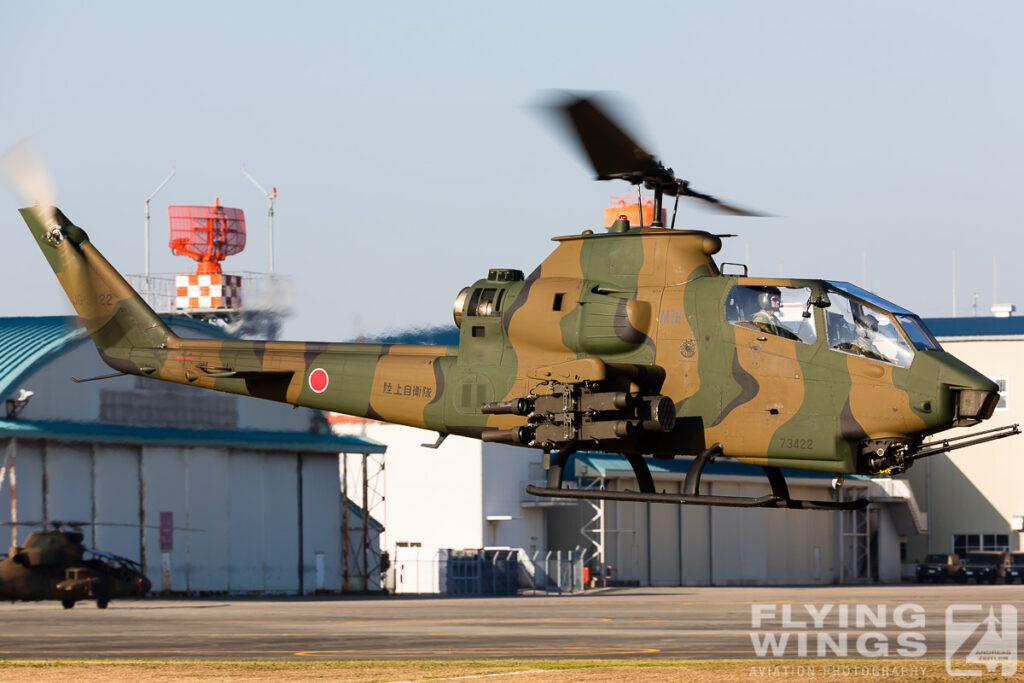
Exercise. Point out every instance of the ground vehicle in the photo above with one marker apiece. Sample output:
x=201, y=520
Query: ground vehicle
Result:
x=1015, y=568
x=938, y=568
x=983, y=566
x=52, y=564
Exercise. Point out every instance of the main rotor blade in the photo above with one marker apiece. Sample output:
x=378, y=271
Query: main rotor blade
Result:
x=612, y=152
x=712, y=203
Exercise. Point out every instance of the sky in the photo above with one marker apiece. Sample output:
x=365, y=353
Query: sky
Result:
x=404, y=141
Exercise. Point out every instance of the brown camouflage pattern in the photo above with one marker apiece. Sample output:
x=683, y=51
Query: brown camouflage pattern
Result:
x=638, y=312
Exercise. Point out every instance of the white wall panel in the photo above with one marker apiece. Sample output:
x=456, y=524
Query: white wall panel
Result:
x=707, y=545
x=7, y=451
x=246, y=549
x=207, y=487
x=505, y=473
x=664, y=540
x=163, y=479
x=280, y=522
x=116, y=501
x=800, y=543
x=696, y=543
x=321, y=521
x=629, y=532
x=888, y=563
x=69, y=482
x=29, y=485
x=738, y=538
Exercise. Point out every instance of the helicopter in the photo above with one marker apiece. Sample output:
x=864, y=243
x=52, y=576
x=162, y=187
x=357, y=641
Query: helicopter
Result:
x=51, y=565
x=633, y=341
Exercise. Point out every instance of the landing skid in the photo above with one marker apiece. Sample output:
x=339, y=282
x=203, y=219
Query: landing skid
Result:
x=778, y=498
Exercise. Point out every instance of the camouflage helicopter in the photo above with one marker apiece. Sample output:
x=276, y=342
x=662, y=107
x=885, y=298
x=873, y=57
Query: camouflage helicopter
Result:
x=631, y=341
x=51, y=565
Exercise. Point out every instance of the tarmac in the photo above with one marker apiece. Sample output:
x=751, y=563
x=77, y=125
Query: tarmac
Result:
x=907, y=620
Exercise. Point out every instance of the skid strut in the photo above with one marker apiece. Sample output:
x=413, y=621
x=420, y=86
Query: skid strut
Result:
x=778, y=498
x=557, y=465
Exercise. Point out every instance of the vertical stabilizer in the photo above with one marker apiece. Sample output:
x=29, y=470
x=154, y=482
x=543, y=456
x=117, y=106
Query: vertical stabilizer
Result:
x=114, y=314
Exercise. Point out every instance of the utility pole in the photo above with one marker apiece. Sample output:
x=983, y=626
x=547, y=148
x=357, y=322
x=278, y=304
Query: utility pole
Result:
x=159, y=187
x=954, y=283
x=271, y=196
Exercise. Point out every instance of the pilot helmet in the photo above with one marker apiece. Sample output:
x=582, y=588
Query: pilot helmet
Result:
x=764, y=299
x=868, y=322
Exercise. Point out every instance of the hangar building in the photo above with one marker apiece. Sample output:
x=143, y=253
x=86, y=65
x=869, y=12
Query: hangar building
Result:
x=211, y=492
x=973, y=496
x=469, y=494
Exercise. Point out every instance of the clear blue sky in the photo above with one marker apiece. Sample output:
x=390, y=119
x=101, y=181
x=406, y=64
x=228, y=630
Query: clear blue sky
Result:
x=408, y=161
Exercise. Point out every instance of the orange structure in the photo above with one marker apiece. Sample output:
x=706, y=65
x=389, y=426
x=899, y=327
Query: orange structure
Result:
x=207, y=234
x=622, y=205
x=212, y=290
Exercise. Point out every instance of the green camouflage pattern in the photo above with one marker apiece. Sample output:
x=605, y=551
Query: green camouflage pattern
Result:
x=618, y=340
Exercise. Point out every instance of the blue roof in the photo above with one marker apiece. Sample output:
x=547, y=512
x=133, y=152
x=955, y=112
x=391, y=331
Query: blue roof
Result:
x=605, y=462
x=358, y=511
x=26, y=343
x=442, y=335
x=976, y=327
x=94, y=432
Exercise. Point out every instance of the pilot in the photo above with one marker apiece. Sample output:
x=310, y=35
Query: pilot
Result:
x=867, y=329
x=767, y=318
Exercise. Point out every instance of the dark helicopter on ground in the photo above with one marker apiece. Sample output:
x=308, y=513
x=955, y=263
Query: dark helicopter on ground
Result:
x=631, y=341
x=54, y=564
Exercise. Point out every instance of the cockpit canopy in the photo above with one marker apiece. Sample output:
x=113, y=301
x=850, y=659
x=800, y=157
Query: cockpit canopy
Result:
x=857, y=322
x=912, y=326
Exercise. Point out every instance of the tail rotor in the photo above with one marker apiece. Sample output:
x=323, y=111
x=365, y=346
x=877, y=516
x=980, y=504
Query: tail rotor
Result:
x=30, y=179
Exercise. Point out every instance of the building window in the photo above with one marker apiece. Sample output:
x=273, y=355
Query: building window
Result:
x=965, y=543
x=1003, y=396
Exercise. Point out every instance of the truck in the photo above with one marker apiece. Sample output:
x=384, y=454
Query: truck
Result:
x=1015, y=569
x=983, y=566
x=938, y=568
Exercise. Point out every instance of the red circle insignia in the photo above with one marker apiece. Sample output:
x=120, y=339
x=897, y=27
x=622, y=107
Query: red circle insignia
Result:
x=318, y=380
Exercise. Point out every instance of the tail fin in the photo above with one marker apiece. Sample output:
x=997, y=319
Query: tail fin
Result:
x=114, y=314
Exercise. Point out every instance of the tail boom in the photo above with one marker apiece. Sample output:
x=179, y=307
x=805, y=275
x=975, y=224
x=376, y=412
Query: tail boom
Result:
x=394, y=383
